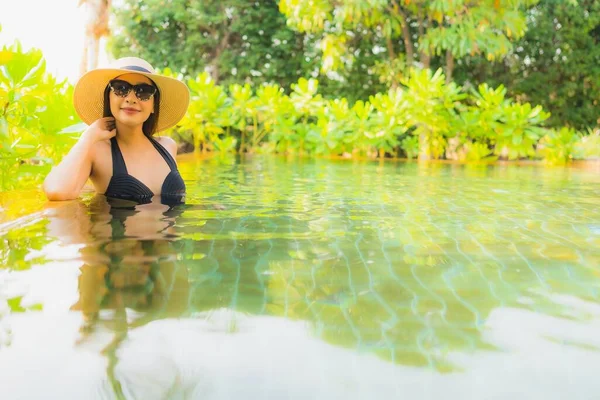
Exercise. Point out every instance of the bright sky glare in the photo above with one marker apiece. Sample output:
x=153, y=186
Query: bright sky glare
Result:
x=54, y=26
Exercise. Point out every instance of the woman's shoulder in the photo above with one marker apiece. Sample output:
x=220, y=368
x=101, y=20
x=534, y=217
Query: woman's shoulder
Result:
x=168, y=143
x=101, y=146
x=101, y=150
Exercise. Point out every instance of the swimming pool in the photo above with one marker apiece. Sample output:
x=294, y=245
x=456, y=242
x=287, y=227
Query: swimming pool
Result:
x=312, y=279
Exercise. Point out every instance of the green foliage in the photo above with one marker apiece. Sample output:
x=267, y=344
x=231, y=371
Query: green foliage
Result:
x=207, y=112
x=482, y=118
x=18, y=242
x=543, y=53
x=34, y=110
x=468, y=28
x=431, y=27
x=555, y=64
x=390, y=121
x=244, y=110
x=410, y=146
x=432, y=106
x=478, y=151
x=426, y=117
x=521, y=130
x=559, y=147
x=563, y=76
x=277, y=116
x=493, y=120
x=333, y=126
x=588, y=146
x=253, y=75
x=236, y=41
x=240, y=42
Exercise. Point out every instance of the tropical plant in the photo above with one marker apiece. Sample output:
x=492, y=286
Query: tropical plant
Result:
x=332, y=126
x=520, y=130
x=307, y=103
x=390, y=120
x=35, y=109
x=559, y=146
x=589, y=146
x=432, y=110
x=277, y=115
x=243, y=104
x=364, y=47
x=207, y=113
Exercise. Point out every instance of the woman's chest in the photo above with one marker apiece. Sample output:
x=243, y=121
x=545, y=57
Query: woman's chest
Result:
x=141, y=171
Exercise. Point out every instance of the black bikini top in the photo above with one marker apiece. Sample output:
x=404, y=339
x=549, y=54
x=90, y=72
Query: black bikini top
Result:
x=124, y=186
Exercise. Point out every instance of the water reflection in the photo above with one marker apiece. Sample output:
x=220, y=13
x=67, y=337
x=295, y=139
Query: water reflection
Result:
x=275, y=267
x=130, y=274
x=130, y=261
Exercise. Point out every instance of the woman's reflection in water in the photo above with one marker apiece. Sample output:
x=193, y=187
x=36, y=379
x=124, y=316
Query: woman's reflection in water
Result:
x=132, y=278
x=130, y=274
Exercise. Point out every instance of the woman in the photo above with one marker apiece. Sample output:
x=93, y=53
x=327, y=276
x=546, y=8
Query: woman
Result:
x=124, y=106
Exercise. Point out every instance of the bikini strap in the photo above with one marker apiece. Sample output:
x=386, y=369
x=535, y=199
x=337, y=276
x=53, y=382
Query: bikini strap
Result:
x=164, y=153
x=118, y=162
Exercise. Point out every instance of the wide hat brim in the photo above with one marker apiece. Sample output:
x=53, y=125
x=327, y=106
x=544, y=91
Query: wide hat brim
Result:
x=88, y=95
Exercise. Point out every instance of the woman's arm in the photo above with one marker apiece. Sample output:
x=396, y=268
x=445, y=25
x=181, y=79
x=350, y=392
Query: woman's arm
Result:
x=65, y=181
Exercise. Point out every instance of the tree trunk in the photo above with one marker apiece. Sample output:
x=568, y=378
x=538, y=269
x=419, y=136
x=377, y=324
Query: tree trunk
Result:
x=392, y=56
x=243, y=140
x=223, y=44
x=424, y=153
x=83, y=66
x=406, y=36
x=96, y=27
x=424, y=56
x=449, y=66
x=408, y=44
x=95, y=52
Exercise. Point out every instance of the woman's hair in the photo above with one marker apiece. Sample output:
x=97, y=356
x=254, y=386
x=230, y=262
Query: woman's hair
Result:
x=149, y=126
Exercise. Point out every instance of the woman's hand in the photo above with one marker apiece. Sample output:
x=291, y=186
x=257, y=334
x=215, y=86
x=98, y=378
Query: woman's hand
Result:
x=101, y=129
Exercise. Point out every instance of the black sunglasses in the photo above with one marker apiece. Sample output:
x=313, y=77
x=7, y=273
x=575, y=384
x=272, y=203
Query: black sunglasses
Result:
x=143, y=91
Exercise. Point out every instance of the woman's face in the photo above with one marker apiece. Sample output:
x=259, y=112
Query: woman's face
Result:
x=130, y=110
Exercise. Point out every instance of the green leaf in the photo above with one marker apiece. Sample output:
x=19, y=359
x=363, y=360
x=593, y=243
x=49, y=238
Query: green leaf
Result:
x=517, y=140
x=15, y=304
x=75, y=128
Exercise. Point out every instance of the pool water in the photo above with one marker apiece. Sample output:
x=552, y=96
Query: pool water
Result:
x=312, y=279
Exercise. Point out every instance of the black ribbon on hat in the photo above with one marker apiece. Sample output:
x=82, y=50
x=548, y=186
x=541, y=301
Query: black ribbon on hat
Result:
x=136, y=68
